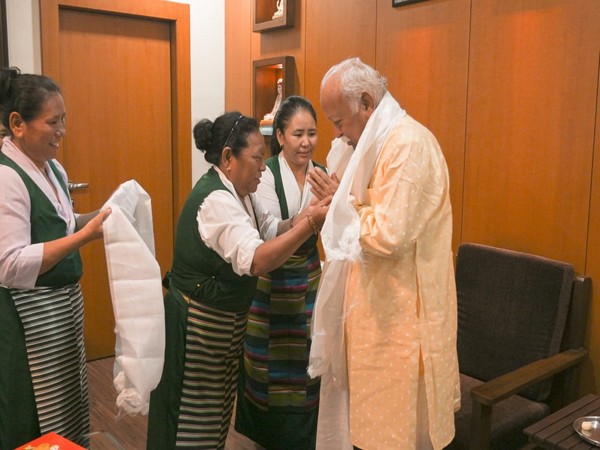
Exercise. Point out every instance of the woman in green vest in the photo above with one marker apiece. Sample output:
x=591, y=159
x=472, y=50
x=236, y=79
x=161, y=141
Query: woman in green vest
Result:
x=43, y=381
x=277, y=403
x=224, y=240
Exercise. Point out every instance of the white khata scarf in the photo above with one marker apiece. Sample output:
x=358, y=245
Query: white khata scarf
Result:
x=340, y=238
x=136, y=290
x=339, y=156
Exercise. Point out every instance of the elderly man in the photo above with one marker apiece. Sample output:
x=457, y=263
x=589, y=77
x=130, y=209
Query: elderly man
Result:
x=384, y=332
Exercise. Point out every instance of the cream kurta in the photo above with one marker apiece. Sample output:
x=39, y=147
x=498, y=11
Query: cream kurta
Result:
x=401, y=299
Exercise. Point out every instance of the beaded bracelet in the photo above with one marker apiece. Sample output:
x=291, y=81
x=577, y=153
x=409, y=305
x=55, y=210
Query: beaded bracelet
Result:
x=312, y=223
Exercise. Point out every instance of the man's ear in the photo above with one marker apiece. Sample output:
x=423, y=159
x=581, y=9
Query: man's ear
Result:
x=367, y=102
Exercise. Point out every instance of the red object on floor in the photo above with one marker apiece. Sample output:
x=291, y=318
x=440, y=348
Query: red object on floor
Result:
x=50, y=441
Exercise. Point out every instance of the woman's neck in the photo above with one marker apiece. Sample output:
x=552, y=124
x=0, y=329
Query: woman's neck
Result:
x=19, y=146
x=299, y=172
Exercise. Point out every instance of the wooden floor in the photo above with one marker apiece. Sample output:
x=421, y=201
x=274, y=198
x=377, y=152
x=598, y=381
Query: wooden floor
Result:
x=128, y=431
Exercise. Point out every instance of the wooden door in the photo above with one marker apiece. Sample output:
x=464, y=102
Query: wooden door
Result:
x=115, y=71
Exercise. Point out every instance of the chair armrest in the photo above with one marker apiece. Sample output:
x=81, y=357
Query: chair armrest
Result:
x=504, y=386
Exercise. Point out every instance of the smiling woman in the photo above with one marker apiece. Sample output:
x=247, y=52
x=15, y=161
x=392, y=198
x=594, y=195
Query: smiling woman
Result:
x=41, y=305
x=39, y=137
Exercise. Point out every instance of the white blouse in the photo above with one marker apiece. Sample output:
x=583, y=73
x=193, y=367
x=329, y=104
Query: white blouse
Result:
x=228, y=225
x=295, y=198
x=20, y=260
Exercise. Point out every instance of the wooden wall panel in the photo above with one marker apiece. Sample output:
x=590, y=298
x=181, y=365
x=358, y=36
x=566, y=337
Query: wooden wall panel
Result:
x=533, y=65
x=591, y=368
x=423, y=50
x=238, y=56
x=334, y=33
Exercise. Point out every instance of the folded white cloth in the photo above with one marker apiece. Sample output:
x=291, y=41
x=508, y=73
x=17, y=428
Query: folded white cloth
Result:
x=136, y=290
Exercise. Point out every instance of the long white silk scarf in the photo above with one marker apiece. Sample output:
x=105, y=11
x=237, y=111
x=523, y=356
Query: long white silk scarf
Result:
x=136, y=290
x=339, y=156
x=340, y=238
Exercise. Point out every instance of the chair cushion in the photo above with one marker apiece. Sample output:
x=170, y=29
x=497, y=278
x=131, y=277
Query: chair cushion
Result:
x=512, y=310
x=509, y=418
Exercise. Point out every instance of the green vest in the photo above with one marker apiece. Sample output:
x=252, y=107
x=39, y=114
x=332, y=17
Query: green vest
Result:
x=200, y=272
x=273, y=164
x=47, y=225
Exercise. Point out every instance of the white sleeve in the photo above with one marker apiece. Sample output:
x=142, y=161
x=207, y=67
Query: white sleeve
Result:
x=267, y=222
x=267, y=195
x=20, y=261
x=227, y=229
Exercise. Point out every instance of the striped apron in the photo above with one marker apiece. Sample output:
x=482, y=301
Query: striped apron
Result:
x=278, y=337
x=52, y=320
x=213, y=347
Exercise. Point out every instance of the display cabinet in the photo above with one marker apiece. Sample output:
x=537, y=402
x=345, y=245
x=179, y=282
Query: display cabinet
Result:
x=273, y=15
x=271, y=77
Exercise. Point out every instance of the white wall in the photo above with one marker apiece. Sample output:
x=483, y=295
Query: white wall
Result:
x=23, y=29
x=207, y=46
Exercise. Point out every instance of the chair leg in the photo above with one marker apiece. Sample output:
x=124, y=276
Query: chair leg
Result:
x=481, y=423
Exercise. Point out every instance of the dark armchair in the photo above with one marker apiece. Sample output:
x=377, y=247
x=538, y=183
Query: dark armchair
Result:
x=521, y=326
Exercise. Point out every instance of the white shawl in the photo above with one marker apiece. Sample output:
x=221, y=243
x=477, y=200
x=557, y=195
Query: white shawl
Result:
x=136, y=290
x=340, y=238
x=339, y=156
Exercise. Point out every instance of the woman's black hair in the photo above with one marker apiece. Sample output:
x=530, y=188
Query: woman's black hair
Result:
x=23, y=93
x=286, y=111
x=228, y=130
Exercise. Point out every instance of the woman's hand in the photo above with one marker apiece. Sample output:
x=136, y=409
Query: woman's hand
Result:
x=55, y=251
x=93, y=227
x=321, y=184
x=273, y=253
x=318, y=211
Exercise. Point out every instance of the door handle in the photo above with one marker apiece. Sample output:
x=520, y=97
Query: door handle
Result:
x=77, y=186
